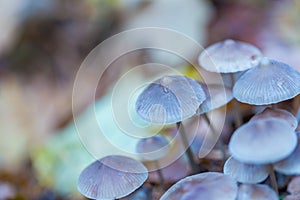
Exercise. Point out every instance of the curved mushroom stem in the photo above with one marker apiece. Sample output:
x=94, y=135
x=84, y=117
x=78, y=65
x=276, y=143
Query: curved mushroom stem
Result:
x=186, y=145
x=236, y=105
x=220, y=142
x=273, y=179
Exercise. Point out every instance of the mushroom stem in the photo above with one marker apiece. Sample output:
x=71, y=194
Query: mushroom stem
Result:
x=220, y=142
x=273, y=180
x=159, y=173
x=236, y=106
x=186, y=145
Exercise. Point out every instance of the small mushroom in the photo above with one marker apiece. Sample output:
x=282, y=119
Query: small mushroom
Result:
x=170, y=99
x=277, y=113
x=263, y=141
x=229, y=56
x=291, y=164
x=256, y=192
x=292, y=197
x=208, y=185
x=245, y=173
x=111, y=177
x=267, y=83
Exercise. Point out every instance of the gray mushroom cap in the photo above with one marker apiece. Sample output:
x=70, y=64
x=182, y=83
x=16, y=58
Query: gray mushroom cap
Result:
x=229, y=56
x=290, y=165
x=111, y=177
x=256, y=192
x=269, y=82
x=263, y=141
x=245, y=173
x=170, y=99
x=208, y=186
x=277, y=113
x=216, y=96
x=153, y=148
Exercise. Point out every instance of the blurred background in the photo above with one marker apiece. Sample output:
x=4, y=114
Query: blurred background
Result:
x=44, y=42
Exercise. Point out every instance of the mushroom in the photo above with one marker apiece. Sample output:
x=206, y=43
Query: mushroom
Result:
x=277, y=113
x=171, y=99
x=242, y=56
x=152, y=149
x=294, y=185
x=291, y=164
x=245, y=173
x=208, y=185
x=111, y=177
x=267, y=83
x=256, y=192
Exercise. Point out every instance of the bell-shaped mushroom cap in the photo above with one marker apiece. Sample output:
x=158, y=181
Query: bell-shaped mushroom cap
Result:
x=170, y=99
x=216, y=96
x=277, y=113
x=263, y=141
x=290, y=165
x=208, y=186
x=229, y=56
x=153, y=148
x=245, y=173
x=269, y=82
x=256, y=192
x=111, y=177
x=294, y=186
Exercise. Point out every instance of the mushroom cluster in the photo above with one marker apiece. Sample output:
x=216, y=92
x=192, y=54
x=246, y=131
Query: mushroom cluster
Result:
x=258, y=148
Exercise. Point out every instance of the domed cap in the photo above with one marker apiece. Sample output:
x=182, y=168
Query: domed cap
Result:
x=290, y=165
x=277, y=113
x=256, y=192
x=229, y=56
x=245, y=173
x=263, y=141
x=111, y=177
x=153, y=148
x=216, y=96
x=269, y=82
x=170, y=99
x=208, y=185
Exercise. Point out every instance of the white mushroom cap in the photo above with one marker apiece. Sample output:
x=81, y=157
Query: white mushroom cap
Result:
x=245, y=173
x=290, y=165
x=208, y=186
x=170, y=99
x=153, y=148
x=269, y=82
x=294, y=185
x=263, y=141
x=111, y=177
x=216, y=96
x=277, y=113
x=256, y=192
x=229, y=56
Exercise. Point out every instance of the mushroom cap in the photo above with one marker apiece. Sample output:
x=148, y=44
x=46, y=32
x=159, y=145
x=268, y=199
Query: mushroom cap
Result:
x=245, y=173
x=294, y=185
x=256, y=192
x=290, y=165
x=111, y=177
x=263, y=141
x=269, y=82
x=208, y=186
x=277, y=113
x=292, y=197
x=153, y=148
x=170, y=99
x=216, y=96
x=229, y=56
